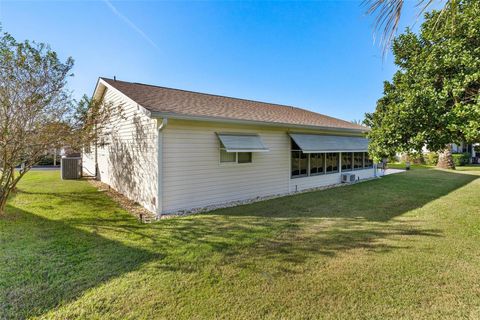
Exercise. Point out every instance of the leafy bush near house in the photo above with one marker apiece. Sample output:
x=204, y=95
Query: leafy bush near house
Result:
x=461, y=159
x=457, y=159
x=47, y=161
x=393, y=159
x=418, y=158
x=431, y=158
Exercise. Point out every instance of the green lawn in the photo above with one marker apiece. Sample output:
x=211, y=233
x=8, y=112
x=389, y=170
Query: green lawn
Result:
x=404, y=246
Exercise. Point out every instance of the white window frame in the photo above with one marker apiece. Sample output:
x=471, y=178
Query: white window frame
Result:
x=225, y=163
x=309, y=174
x=339, y=163
x=308, y=165
x=362, y=167
x=324, y=165
x=351, y=162
x=365, y=158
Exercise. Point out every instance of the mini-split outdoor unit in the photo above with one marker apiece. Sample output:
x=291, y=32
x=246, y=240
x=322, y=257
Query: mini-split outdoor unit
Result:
x=348, y=177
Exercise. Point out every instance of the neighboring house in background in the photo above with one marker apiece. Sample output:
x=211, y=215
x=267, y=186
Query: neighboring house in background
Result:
x=176, y=150
x=472, y=148
x=467, y=148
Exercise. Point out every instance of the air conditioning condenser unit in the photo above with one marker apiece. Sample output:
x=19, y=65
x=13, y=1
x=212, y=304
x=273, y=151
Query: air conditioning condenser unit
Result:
x=348, y=177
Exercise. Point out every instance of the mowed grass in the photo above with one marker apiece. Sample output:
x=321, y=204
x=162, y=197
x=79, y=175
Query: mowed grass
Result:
x=403, y=246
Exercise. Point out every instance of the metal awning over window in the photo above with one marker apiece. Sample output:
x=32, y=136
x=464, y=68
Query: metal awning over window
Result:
x=315, y=143
x=241, y=142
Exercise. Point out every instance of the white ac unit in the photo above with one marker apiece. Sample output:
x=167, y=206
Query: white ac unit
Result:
x=348, y=177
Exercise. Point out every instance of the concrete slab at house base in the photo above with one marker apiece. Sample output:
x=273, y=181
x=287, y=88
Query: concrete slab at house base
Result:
x=392, y=171
x=253, y=200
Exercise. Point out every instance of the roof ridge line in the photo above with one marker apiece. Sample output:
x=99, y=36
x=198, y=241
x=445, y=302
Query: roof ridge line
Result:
x=217, y=95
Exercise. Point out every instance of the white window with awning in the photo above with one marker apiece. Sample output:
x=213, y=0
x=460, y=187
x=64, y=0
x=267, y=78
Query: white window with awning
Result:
x=238, y=147
x=236, y=142
x=314, y=154
x=315, y=143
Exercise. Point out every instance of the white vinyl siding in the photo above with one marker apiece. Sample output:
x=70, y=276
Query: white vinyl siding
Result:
x=128, y=161
x=194, y=176
x=88, y=162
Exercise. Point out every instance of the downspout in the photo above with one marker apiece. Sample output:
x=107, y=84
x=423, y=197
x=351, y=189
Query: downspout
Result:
x=160, y=126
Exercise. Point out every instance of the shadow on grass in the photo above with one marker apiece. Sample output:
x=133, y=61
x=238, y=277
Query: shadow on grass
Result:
x=375, y=200
x=309, y=241
x=262, y=244
x=44, y=263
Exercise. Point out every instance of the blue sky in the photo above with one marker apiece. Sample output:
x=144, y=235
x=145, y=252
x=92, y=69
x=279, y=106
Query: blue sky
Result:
x=316, y=55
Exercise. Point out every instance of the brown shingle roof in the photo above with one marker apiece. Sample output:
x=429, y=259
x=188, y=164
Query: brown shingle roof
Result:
x=188, y=103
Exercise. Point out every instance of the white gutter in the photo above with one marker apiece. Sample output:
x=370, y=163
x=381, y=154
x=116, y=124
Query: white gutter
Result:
x=334, y=151
x=160, y=126
x=157, y=114
x=247, y=150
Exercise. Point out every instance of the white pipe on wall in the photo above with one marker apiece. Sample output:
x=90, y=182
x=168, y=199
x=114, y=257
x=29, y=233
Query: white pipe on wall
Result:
x=160, y=126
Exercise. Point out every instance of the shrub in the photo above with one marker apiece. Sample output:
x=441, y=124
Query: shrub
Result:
x=461, y=159
x=393, y=159
x=416, y=158
x=47, y=161
x=431, y=158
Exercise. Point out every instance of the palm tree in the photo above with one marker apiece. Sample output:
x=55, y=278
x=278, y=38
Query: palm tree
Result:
x=388, y=13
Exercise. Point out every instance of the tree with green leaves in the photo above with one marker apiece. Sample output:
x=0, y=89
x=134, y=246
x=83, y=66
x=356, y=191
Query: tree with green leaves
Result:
x=37, y=113
x=33, y=107
x=434, y=97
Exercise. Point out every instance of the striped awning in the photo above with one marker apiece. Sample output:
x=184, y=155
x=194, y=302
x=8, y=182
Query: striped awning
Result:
x=241, y=142
x=315, y=143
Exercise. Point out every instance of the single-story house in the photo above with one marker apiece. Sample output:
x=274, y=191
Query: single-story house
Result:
x=173, y=150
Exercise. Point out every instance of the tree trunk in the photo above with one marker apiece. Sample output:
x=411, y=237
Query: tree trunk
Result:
x=96, y=155
x=9, y=188
x=445, y=159
x=3, y=202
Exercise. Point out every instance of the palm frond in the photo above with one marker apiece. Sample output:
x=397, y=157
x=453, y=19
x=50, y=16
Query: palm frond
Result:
x=387, y=17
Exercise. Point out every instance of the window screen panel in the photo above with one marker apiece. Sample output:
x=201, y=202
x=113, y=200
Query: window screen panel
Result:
x=227, y=156
x=358, y=160
x=332, y=162
x=347, y=161
x=368, y=161
x=317, y=163
x=299, y=164
x=244, y=157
